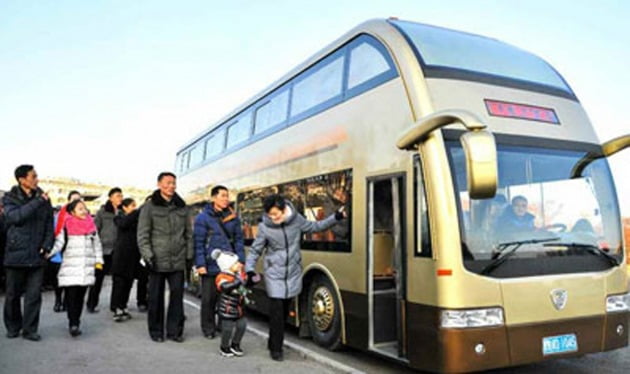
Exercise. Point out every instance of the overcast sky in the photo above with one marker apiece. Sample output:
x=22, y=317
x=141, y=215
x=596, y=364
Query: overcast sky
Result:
x=107, y=91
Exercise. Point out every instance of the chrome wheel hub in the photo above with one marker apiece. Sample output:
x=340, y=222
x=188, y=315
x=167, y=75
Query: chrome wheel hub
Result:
x=322, y=308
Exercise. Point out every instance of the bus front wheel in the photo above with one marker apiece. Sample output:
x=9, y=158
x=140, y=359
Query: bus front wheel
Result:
x=324, y=315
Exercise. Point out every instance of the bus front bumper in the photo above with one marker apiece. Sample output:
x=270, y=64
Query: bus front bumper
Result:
x=473, y=349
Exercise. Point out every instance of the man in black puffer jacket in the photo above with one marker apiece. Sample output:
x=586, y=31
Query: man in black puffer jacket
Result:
x=29, y=225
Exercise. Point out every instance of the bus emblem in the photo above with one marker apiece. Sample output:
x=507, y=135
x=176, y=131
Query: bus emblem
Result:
x=559, y=298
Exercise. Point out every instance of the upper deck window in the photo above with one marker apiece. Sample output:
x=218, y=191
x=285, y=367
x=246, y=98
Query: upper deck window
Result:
x=273, y=112
x=446, y=51
x=240, y=130
x=317, y=87
x=366, y=62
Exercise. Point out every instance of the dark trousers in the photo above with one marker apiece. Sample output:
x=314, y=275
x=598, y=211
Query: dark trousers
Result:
x=52, y=269
x=142, y=275
x=120, y=292
x=208, y=304
x=232, y=331
x=95, y=290
x=278, y=311
x=27, y=282
x=175, y=314
x=74, y=301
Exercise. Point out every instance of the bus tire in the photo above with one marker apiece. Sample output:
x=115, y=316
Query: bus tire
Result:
x=323, y=313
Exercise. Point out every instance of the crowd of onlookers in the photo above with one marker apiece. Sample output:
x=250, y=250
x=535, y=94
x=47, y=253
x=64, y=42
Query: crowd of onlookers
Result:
x=155, y=243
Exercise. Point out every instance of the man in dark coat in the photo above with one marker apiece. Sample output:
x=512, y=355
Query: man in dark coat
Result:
x=107, y=232
x=29, y=222
x=3, y=241
x=165, y=242
x=217, y=227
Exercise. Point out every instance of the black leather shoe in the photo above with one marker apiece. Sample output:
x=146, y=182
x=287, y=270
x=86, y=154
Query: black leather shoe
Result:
x=92, y=310
x=142, y=308
x=210, y=336
x=34, y=337
x=57, y=308
x=13, y=335
x=276, y=356
x=176, y=339
x=157, y=339
x=75, y=331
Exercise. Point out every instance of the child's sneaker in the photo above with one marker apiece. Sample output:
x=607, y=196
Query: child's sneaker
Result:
x=236, y=349
x=119, y=316
x=226, y=352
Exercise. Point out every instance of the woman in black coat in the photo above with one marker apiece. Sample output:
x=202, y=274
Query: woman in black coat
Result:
x=126, y=258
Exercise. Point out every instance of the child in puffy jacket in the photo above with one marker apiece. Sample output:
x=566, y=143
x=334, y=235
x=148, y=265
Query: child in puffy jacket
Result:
x=82, y=255
x=231, y=284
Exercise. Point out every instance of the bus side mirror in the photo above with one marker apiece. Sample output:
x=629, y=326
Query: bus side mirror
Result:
x=608, y=149
x=481, y=163
x=478, y=144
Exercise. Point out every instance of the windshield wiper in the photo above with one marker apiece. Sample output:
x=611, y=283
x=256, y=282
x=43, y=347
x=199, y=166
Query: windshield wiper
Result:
x=498, y=259
x=588, y=248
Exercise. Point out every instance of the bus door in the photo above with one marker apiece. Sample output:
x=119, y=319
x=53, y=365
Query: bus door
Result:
x=386, y=278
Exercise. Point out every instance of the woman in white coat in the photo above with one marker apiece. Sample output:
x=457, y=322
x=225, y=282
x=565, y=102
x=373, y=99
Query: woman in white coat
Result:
x=82, y=255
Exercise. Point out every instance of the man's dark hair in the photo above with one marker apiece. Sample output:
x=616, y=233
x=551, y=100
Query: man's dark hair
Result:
x=73, y=205
x=165, y=174
x=272, y=201
x=216, y=189
x=22, y=171
x=127, y=201
x=113, y=191
x=517, y=198
x=73, y=192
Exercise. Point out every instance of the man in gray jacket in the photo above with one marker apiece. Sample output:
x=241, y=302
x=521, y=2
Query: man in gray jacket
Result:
x=107, y=232
x=165, y=242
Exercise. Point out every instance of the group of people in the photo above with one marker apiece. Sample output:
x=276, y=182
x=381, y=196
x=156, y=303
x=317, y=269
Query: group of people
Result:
x=159, y=239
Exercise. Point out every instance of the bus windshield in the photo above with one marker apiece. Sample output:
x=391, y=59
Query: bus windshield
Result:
x=538, y=201
x=446, y=51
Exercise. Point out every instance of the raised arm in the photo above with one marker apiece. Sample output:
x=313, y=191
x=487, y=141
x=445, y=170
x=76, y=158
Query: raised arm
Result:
x=315, y=226
x=16, y=214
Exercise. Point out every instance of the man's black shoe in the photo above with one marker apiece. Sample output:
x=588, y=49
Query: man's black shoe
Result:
x=13, y=335
x=34, y=337
x=142, y=308
x=176, y=339
x=92, y=310
x=75, y=331
x=277, y=356
x=210, y=336
x=157, y=339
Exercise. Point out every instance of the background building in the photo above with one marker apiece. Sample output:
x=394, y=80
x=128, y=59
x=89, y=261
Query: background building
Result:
x=94, y=194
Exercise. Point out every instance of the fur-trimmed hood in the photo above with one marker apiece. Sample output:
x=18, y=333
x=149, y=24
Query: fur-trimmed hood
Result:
x=157, y=199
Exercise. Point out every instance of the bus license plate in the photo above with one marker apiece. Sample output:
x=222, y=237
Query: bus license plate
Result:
x=559, y=344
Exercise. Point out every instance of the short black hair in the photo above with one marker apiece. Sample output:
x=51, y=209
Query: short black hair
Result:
x=73, y=205
x=519, y=198
x=127, y=201
x=272, y=201
x=216, y=189
x=73, y=192
x=165, y=174
x=22, y=171
x=113, y=191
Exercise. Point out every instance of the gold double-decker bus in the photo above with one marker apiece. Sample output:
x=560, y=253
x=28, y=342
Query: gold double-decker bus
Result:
x=483, y=228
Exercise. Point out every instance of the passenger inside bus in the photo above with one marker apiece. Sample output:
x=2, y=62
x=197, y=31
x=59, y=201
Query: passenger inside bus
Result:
x=515, y=220
x=583, y=232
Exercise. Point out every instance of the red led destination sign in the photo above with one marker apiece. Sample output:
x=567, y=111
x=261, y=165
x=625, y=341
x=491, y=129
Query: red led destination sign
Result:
x=521, y=111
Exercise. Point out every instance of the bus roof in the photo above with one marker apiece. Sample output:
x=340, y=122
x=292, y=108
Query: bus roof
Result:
x=416, y=34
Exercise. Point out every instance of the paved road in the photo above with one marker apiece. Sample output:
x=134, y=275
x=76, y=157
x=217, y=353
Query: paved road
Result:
x=109, y=347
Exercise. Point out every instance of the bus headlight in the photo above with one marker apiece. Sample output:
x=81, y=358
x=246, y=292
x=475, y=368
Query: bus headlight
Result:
x=618, y=303
x=472, y=318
